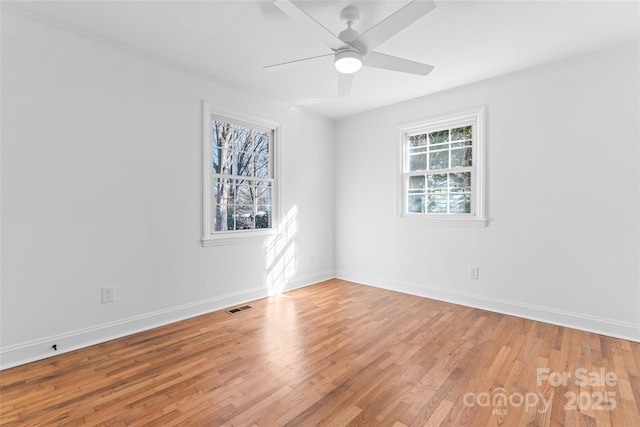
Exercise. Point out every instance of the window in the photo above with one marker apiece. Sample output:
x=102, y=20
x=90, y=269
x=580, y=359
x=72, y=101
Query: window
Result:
x=442, y=176
x=239, y=179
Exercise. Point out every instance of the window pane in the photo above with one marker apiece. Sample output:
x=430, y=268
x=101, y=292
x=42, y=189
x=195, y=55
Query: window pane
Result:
x=222, y=190
x=216, y=160
x=219, y=131
x=221, y=161
x=263, y=217
x=461, y=133
x=244, y=194
x=231, y=214
x=260, y=142
x=241, y=139
x=244, y=217
x=229, y=162
x=437, y=183
x=417, y=140
x=416, y=182
x=215, y=218
x=263, y=195
x=218, y=214
x=415, y=204
x=440, y=136
x=460, y=203
x=223, y=218
x=418, y=162
x=439, y=160
x=249, y=145
x=437, y=203
x=461, y=157
x=459, y=182
x=260, y=166
x=244, y=164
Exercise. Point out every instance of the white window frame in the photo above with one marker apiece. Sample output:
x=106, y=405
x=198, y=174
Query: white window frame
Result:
x=210, y=238
x=473, y=116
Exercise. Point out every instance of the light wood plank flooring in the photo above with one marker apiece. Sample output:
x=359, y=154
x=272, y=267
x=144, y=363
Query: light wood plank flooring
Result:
x=336, y=354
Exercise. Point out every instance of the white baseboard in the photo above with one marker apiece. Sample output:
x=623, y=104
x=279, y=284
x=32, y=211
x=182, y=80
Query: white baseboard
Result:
x=613, y=328
x=31, y=351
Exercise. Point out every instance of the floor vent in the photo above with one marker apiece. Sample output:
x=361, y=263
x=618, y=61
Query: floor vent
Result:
x=239, y=309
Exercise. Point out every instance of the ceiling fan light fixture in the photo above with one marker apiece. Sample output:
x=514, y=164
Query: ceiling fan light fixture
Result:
x=348, y=61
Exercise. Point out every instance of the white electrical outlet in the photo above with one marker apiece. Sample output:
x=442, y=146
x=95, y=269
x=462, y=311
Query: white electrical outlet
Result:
x=473, y=273
x=108, y=294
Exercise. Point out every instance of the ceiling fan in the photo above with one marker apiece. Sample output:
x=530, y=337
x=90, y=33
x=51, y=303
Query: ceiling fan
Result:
x=352, y=50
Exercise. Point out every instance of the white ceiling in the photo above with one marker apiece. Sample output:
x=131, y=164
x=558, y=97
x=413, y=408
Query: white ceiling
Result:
x=230, y=41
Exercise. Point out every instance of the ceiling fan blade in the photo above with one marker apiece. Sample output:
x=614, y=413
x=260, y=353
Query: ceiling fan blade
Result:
x=387, y=62
x=288, y=64
x=395, y=22
x=309, y=23
x=344, y=84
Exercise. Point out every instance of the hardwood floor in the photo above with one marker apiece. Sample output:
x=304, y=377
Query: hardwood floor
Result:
x=336, y=354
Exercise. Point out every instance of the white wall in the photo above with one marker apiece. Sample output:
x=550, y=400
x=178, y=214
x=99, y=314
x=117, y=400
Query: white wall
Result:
x=102, y=185
x=562, y=243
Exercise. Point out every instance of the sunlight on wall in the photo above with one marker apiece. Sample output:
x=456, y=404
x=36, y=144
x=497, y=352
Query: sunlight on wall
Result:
x=281, y=257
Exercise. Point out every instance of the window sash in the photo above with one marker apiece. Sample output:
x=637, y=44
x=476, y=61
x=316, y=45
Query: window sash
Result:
x=449, y=192
x=232, y=153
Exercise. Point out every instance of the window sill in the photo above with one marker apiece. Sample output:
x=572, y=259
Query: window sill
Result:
x=238, y=237
x=444, y=220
